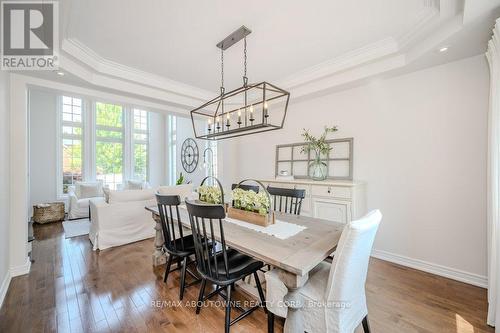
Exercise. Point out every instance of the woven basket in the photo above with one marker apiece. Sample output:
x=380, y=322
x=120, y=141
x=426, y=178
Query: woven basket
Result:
x=50, y=212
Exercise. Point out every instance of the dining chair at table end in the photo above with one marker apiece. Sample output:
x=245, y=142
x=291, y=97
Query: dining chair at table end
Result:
x=333, y=300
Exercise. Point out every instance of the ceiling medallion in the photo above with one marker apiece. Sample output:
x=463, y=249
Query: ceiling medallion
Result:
x=250, y=109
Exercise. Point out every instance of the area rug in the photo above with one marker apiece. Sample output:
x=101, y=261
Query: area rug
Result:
x=76, y=228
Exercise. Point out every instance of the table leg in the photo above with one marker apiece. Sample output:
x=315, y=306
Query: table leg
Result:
x=159, y=257
x=293, y=322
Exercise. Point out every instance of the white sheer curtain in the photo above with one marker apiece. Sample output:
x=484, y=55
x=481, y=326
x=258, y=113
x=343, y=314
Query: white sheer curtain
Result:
x=493, y=55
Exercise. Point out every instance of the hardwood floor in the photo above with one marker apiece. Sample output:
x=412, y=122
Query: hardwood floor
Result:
x=72, y=289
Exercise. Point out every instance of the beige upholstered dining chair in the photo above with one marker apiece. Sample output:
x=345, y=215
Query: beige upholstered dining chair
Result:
x=333, y=300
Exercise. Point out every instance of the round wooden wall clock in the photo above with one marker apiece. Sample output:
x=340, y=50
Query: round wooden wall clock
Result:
x=189, y=155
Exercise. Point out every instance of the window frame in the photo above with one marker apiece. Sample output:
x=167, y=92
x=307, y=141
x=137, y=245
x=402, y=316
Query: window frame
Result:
x=90, y=139
x=133, y=141
x=60, y=136
x=96, y=139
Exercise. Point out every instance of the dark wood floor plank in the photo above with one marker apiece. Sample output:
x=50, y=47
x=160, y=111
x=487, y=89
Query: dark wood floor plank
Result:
x=73, y=289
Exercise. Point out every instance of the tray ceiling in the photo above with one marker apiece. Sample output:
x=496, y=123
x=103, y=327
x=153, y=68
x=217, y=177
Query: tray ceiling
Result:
x=176, y=39
x=165, y=50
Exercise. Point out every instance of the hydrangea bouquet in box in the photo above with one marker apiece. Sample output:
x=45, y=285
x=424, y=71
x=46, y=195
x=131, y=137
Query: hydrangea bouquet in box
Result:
x=210, y=194
x=251, y=201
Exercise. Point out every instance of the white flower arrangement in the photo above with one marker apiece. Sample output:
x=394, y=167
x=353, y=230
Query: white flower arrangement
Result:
x=210, y=194
x=251, y=201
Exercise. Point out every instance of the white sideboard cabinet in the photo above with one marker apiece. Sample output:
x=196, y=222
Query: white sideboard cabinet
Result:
x=339, y=201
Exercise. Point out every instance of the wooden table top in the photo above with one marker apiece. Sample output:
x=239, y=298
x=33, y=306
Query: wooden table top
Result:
x=297, y=254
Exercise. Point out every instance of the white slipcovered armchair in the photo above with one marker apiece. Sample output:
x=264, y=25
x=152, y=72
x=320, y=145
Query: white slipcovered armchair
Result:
x=80, y=195
x=333, y=300
x=121, y=218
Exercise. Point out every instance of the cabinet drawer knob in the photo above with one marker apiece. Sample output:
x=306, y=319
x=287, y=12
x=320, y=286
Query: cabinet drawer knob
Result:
x=329, y=190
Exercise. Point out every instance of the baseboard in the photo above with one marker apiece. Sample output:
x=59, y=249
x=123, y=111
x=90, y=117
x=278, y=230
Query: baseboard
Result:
x=22, y=269
x=14, y=271
x=451, y=273
x=4, y=287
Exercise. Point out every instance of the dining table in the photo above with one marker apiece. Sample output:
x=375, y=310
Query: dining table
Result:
x=293, y=257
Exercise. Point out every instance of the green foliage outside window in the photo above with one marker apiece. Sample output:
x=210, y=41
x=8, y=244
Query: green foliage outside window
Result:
x=109, y=158
x=141, y=161
x=109, y=115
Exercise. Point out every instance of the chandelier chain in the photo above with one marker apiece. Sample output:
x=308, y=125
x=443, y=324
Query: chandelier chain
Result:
x=245, y=57
x=222, y=68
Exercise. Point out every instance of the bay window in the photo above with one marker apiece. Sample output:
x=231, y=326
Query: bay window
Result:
x=115, y=138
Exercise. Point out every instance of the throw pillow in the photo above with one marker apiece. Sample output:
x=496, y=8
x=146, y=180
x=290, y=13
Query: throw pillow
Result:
x=89, y=191
x=134, y=185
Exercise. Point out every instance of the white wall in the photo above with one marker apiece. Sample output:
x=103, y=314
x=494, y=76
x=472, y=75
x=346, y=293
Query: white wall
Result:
x=157, y=150
x=42, y=146
x=4, y=183
x=229, y=163
x=420, y=144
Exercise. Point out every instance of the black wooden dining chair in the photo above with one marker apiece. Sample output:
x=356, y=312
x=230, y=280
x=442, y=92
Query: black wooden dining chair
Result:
x=177, y=246
x=254, y=188
x=287, y=200
x=222, y=268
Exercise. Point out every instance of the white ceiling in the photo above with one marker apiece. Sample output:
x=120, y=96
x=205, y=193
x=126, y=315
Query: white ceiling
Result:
x=176, y=39
x=165, y=50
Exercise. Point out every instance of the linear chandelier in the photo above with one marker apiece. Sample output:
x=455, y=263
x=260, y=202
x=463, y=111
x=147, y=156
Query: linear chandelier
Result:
x=250, y=109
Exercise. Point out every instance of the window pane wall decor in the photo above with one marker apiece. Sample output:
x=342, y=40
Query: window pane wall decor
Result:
x=290, y=160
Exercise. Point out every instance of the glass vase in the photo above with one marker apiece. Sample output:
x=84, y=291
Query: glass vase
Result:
x=318, y=170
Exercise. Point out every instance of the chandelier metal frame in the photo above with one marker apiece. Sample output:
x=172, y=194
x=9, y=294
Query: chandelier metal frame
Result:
x=219, y=125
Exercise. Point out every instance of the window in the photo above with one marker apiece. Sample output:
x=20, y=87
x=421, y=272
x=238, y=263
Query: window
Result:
x=72, y=141
x=140, y=142
x=109, y=142
x=172, y=148
x=213, y=145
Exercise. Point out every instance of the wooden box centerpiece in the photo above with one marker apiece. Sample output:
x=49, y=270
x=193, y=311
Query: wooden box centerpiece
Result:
x=251, y=205
x=251, y=217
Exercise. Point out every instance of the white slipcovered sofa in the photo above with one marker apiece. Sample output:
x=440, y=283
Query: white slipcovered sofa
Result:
x=80, y=195
x=120, y=217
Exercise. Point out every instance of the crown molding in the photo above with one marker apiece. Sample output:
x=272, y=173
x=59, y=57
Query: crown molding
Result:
x=381, y=56
x=344, y=62
x=349, y=66
x=96, y=79
x=103, y=66
x=428, y=15
x=348, y=77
